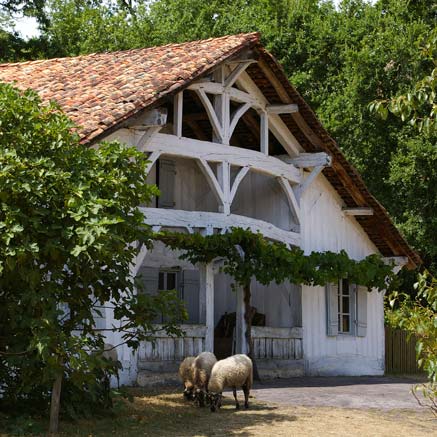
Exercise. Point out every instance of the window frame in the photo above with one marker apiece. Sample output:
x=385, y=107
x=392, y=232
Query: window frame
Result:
x=340, y=309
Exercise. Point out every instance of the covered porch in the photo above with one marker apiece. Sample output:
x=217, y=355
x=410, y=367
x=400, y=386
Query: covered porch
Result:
x=216, y=319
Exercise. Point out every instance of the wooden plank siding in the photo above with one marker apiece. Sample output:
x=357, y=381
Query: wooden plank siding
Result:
x=400, y=352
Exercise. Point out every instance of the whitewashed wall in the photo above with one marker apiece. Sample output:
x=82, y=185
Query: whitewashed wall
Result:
x=325, y=227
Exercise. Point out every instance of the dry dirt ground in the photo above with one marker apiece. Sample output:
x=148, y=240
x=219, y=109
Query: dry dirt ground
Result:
x=306, y=408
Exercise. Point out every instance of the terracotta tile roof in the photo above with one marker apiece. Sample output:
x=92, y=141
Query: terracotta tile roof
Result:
x=100, y=91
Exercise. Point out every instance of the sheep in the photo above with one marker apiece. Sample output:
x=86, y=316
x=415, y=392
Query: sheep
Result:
x=235, y=371
x=186, y=375
x=201, y=370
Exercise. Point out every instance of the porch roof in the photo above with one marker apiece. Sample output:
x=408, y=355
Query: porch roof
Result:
x=101, y=91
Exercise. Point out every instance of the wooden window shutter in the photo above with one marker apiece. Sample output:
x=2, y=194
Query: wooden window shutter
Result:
x=190, y=294
x=148, y=277
x=332, y=309
x=166, y=183
x=361, y=311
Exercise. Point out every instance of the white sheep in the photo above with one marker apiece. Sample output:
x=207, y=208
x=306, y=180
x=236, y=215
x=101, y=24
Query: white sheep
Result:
x=201, y=370
x=233, y=372
x=186, y=375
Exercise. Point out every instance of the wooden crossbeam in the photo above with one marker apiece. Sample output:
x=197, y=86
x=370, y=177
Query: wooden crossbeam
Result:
x=178, y=114
x=291, y=198
x=282, y=109
x=233, y=76
x=237, y=115
x=154, y=118
x=215, y=123
x=358, y=211
x=197, y=219
x=306, y=160
x=212, y=180
x=238, y=179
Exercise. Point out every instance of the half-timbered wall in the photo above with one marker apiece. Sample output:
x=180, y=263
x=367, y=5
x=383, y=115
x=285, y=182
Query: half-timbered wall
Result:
x=326, y=227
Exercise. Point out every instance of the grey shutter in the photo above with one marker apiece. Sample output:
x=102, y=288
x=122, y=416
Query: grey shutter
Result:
x=332, y=309
x=166, y=183
x=361, y=311
x=148, y=278
x=190, y=294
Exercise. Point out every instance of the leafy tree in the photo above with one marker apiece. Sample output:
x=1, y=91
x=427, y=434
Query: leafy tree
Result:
x=339, y=58
x=418, y=316
x=69, y=221
x=419, y=105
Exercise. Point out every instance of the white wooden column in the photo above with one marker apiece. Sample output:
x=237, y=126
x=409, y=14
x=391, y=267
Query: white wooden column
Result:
x=206, y=303
x=240, y=326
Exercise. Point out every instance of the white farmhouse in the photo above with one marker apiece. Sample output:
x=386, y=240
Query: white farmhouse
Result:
x=232, y=143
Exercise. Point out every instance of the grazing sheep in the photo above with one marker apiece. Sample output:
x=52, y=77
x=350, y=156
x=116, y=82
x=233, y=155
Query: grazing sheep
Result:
x=235, y=371
x=186, y=375
x=201, y=370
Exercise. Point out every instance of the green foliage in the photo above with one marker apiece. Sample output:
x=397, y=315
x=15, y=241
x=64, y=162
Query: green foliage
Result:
x=68, y=221
x=247, y=255
x=419, y=105
x=418, y=316
x=340, y=59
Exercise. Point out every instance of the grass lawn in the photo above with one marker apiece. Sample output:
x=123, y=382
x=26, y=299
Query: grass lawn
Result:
x=165, y=413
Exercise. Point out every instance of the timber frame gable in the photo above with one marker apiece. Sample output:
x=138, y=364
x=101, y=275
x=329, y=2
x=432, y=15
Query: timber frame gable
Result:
x=251, y=118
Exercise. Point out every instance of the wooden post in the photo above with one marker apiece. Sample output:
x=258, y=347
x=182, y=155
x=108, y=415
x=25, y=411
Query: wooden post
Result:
x=240, y=326
x=178, y=114
x=264, y=133
x=207, y=303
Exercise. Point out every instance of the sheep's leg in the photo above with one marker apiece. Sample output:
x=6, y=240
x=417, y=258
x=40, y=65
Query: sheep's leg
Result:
x=246, y=391
x=237, y=405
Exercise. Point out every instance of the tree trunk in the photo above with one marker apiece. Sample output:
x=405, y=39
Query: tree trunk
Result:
x=248, y=316
x=55, y=405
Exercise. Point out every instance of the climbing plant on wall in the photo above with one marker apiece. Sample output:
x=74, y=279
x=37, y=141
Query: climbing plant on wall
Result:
x=247, y=255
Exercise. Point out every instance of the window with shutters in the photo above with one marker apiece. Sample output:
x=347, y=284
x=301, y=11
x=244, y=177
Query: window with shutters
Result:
x=186, y=282
x=346, y=306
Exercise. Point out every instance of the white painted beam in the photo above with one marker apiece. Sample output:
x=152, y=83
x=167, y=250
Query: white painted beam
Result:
x=154, y=118
x=397, y=261
x=358, y=211
x=233, y=76
x=308, y=180
x=178, y=114
x=240, y=324
x=236, y=117
x=238, y=179
x=209, y=108
x=264, y=133
x=146, y=137
x=307, y=160
x=212, y=180
x=234, y=93
x=276, y=125
x=224, y=180
x=282, y=109
x=153, y=157
x=206, y=304
x=291, y=198
x=212, y=152
x=173, y=218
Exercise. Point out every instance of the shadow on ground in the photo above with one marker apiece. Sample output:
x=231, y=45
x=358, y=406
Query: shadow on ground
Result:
x=166, y=413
